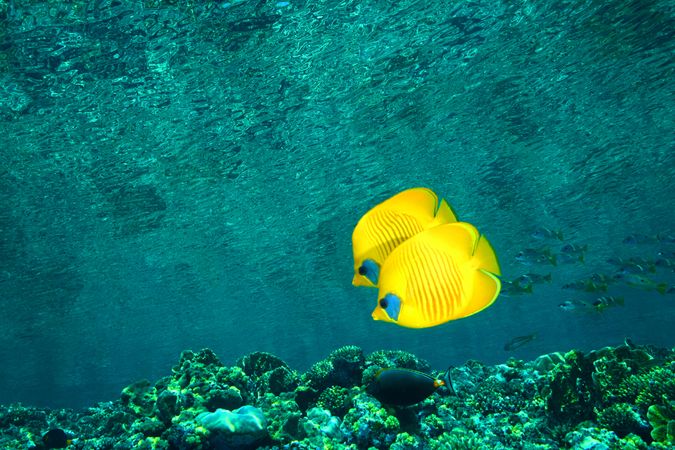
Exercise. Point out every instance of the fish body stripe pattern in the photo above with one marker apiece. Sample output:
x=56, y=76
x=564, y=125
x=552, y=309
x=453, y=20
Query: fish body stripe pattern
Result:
x=435, y=284
x=394, y=227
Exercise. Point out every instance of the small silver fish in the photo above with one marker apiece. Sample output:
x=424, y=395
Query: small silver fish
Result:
x=665, y=263
x=531, y=256
x=513, y=288
x=534, y=278
x=586, y=286
x=543, y=233
x=570, y=253
x=601, y=278
x=602, y=303
x=631, y=267
x=519, y=341
x=642, y=282
x=641, y=261
x=573, y=305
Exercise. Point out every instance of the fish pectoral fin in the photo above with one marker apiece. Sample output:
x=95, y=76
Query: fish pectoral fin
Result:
x=486, y=257
x=486, y=288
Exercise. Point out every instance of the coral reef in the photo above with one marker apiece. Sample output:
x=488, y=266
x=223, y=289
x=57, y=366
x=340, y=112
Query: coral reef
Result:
x=615, y=397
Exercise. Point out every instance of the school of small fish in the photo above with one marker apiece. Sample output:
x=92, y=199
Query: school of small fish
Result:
x=591, y=292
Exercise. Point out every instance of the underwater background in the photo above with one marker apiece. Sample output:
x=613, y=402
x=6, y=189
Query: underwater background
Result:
x=178, y=175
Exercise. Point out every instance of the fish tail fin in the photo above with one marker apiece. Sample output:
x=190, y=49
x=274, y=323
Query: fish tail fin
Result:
x=486, y=256
x=444, y=214
x=662, y=288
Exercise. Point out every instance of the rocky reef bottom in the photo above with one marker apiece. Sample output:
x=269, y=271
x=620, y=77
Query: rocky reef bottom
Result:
x=612, y=398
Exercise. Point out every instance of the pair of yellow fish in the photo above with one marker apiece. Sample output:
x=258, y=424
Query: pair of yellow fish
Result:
x=429, y=267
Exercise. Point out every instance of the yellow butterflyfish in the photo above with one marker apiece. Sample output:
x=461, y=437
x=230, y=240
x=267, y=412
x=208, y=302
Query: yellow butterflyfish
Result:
x=441, y=274
x=389, y=224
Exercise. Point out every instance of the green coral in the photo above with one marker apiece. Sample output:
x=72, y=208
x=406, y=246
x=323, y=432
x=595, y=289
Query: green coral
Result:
x=139, y=397
x=458, y=439
x=283, y=416
x=648, y=388
x=343, y=367
x=622, y=418
x=572, y=392
x=662, y=420
x=397, y=358
x=336, y=399
x=370, y=424
x=405, y=441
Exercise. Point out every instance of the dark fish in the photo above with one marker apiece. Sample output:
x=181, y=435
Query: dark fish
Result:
x=519, y=341
x=56, y=438
x=403, y=387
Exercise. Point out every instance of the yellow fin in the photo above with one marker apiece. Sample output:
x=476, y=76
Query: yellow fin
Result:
x=459, y=237
x=419, y=202
x=486, y=256
x=486, y=289
x=445, y=214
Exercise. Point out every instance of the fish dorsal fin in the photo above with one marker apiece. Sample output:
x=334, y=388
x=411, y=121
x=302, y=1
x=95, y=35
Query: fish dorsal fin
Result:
x=418, y=202
x=444, y=214
x=459, y=238
x=486, y=257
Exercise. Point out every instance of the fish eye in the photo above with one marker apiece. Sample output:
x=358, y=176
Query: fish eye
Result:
x=384, y=303
x=362, y=270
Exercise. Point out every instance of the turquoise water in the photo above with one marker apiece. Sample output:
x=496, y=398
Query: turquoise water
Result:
x=178, y=176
